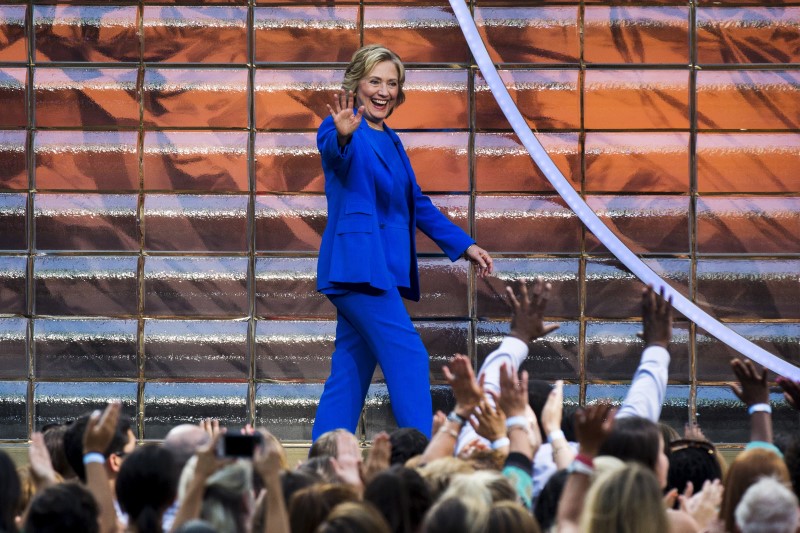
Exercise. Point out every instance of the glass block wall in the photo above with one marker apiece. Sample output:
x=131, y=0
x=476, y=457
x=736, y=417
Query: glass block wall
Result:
x=161, y=196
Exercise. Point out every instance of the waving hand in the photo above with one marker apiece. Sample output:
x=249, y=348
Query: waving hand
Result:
x=342, y=112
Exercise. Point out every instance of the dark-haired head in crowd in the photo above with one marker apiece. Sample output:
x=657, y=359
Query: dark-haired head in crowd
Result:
x=354, y=517
x=406, y=443
x=694, y=462
x=146, y=486
x=637, y=439
x=122, y=443
x=9, y=493
x=401, y=495
x=63, y=508
x=309, y=506
x=54, y=440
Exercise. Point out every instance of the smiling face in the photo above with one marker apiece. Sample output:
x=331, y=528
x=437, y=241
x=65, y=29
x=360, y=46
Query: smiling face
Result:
x=378, y=91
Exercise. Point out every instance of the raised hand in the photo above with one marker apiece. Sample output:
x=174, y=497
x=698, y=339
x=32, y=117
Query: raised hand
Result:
x=267, y=459
x=704, y=505
x=100, y=429
x=438, y=421
x=210, y=426
x=378, y=458
x=791, y=391
x=593, y=425
x=693, y=432
x=207, y=460
x=656, y=318
x=489, y=422
x=527, y=323
x=752, y=387
x=467, y=392
x=41, y=466
x=513, y=398
x=553, y=409
x=342, y=112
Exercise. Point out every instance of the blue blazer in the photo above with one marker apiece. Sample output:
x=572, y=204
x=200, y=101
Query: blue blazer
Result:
x=352, y=249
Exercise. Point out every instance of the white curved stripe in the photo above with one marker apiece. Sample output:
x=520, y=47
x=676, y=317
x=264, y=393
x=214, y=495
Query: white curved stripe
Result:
x=590, y=219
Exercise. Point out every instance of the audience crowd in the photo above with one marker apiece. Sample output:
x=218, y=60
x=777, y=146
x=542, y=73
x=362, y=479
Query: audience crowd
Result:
x=509, y=457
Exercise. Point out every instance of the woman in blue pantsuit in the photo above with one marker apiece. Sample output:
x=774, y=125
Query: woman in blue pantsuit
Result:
x=367, y=259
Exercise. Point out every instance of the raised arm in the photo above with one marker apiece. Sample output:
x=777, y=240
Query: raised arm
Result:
x=753, y=391
x=552, y=412
x=468, y=394
x=267, y=462
x=335, y=133
x=99, y=431
x=527, y=325
x=592, y=426
x=207, y=464
x=649, y=386
x=344, y=119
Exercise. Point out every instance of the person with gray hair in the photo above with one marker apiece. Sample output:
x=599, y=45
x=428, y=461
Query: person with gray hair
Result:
x=768, y=506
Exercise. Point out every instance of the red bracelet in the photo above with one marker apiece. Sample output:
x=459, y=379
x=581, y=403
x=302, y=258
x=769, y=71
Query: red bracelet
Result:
x=585, y=459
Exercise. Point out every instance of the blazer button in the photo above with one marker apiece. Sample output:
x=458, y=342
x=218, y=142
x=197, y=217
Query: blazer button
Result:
x=382, y=225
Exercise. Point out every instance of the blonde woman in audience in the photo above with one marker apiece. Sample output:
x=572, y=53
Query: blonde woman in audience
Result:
x=626, y=500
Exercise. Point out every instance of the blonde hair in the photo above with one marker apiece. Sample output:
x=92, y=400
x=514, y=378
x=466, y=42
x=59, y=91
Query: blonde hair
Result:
x=627, y=500
x=364, y=60
x=511, y=517
x=327, y=444
x=483, y=484
x=438, y=473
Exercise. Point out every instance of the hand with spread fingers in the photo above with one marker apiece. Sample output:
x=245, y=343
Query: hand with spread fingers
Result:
x=488, y=421
x=513, y=399
x=342, y=112
x=753, y=390
x=752, y=387
x=593, y=425
x=527, y=323
x=791, y=391
x=703, y=506
x=656, y=318
x=466, y=390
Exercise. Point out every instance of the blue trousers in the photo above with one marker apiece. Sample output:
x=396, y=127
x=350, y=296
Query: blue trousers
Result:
x=375, y=329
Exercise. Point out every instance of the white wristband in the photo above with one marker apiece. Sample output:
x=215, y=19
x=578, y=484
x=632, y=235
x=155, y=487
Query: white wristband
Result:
x=577, y=467
x=518, y=420
x=759, y=408
x=500, y=443
x=555, y=435
x=93, y=457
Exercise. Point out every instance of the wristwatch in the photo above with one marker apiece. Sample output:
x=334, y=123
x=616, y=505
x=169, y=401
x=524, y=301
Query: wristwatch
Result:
x=455, y=417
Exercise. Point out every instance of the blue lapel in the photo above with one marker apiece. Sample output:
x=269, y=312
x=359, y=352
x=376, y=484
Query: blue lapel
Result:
x=399, y=145
x=372, y=143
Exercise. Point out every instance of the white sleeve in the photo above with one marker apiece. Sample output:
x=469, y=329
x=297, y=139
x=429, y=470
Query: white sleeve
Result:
x=649, y=386
x=512, y=351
